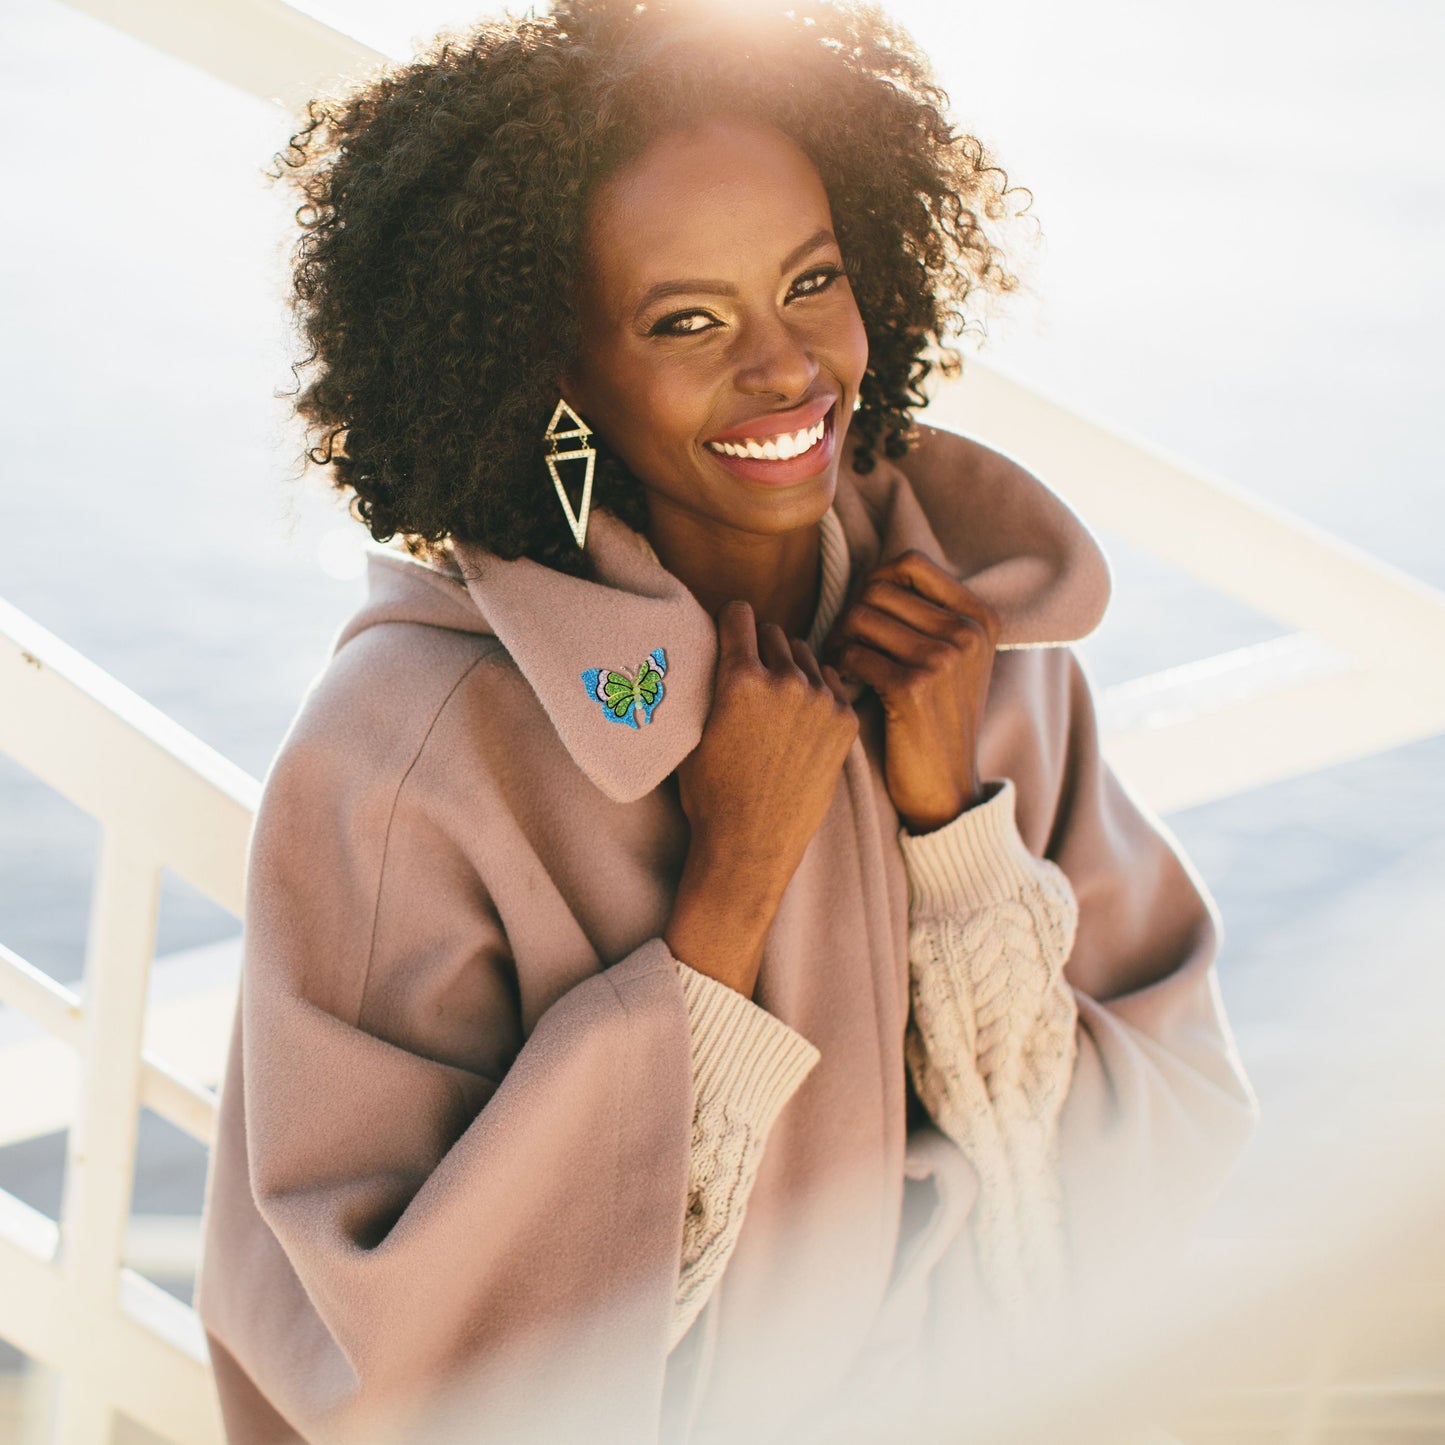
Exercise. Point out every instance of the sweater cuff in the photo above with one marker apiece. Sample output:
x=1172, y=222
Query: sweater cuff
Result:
x=977, y=859
x=741, y=1054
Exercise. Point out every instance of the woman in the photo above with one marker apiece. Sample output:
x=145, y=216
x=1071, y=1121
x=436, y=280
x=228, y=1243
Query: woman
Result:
x=694, y=946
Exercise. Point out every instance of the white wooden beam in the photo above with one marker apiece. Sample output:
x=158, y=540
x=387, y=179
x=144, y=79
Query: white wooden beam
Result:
x=1276, y=562
x=270, y=50
x=187, y=1029
x=124, y=761
x=146, y=1355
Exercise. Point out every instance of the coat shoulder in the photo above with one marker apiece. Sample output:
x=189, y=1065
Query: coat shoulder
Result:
x=366, y=716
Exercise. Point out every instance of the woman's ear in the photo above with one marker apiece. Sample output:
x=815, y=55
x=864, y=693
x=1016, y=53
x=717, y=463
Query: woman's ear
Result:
x=571, y=390
x=569, y=383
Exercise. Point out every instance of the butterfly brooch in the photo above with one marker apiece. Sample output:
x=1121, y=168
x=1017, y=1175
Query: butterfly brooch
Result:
x=622, y=697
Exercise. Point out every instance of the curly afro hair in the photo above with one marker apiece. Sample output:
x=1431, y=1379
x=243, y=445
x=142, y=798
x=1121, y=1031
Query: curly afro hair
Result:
x=443, y=212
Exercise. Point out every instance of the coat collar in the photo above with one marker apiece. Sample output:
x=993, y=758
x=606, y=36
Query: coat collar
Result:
x=1049, y=584
x=557, y=628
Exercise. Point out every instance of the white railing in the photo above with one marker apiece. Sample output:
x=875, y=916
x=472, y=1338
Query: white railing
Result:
x=1349, y=679
x=164, y=800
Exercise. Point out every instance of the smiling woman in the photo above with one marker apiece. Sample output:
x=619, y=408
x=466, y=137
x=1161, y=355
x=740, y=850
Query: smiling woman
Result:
x=697, y=960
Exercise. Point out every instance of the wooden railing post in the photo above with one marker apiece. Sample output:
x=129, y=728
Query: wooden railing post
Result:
x=100, y=1162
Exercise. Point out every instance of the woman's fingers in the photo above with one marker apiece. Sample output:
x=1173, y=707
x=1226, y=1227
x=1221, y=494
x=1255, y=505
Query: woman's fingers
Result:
x=920, y=613
x=887, y=633
x=835, y=685
x=820, y=674
x=773, y=649
x=915, y=572
x=742, y=639
x=737, y=634
x=914, y=629
x=806, y=662
x=924, y=643
x=888, y=677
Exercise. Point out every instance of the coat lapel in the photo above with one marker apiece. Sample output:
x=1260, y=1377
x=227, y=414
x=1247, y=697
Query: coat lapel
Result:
x=1040, y=569
x=558, y=628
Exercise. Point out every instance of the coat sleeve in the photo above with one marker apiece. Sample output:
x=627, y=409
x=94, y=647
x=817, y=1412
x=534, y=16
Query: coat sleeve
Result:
x=1067, y=1029
x=405, y=1192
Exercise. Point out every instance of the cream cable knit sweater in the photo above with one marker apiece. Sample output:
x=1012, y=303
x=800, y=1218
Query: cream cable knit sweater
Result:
x=992, y=1031
x=990, y=1043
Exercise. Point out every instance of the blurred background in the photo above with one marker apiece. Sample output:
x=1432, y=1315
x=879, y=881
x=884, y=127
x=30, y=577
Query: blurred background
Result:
x=1243, y=213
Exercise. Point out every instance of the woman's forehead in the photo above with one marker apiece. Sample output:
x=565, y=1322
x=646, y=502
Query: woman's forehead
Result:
x=718, y=197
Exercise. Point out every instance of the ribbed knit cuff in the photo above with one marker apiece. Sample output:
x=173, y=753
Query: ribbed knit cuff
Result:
x=741, y=1054
x=977, y=859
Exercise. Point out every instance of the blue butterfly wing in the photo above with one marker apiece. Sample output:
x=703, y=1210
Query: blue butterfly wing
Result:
x=649, y=678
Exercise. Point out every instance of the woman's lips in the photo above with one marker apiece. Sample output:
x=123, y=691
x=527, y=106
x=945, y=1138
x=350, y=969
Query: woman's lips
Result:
x=782, y=470
x=777, y=423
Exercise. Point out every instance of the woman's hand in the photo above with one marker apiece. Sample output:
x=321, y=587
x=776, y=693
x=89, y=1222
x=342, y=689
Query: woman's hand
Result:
x=925, y=644
x=754, y=789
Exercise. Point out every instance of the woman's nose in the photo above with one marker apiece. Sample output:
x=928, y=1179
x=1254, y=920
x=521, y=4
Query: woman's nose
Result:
x=778, y=361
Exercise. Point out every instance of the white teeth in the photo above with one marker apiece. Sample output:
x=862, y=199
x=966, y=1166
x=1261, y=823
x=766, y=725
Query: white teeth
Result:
x=780, y=448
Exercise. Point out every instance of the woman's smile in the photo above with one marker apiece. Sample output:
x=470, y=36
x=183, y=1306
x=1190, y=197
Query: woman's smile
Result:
x=783, y=447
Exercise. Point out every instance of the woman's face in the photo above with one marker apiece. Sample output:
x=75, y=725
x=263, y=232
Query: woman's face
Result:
x=722, y=350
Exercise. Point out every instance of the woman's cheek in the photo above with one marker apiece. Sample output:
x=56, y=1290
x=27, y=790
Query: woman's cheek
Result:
x=657, y=423
x=856, y=344
x=682, y=405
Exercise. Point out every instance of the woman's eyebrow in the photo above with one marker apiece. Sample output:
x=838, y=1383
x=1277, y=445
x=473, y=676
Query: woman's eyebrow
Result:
x=684, y=288
x=726, y=288
x=819, y=238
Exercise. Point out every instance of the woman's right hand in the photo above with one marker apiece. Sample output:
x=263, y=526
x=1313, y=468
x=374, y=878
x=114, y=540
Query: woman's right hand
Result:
x=754, y=790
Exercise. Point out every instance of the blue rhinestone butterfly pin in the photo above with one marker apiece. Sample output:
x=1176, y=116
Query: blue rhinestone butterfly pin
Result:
x=623, y=697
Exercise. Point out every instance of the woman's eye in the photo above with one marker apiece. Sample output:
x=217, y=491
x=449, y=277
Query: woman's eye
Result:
x=811, y=282
x=682, y=323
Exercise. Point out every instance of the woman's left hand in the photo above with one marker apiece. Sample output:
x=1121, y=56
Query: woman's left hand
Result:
x=924, y=643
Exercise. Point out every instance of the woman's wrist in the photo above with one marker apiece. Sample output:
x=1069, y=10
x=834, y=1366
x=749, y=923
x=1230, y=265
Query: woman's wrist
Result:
x=721, y=914
x=944, y=813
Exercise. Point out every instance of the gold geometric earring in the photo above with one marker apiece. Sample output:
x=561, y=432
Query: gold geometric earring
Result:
x=580, y=433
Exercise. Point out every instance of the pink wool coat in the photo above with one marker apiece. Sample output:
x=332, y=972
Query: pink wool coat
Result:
x=456, y=1119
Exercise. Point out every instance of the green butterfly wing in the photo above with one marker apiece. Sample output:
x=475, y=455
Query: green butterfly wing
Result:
x=648, y=684
x=620, y=693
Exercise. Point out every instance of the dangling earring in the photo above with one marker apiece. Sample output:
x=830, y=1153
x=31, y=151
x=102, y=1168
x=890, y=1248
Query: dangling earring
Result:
x=579, y=432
